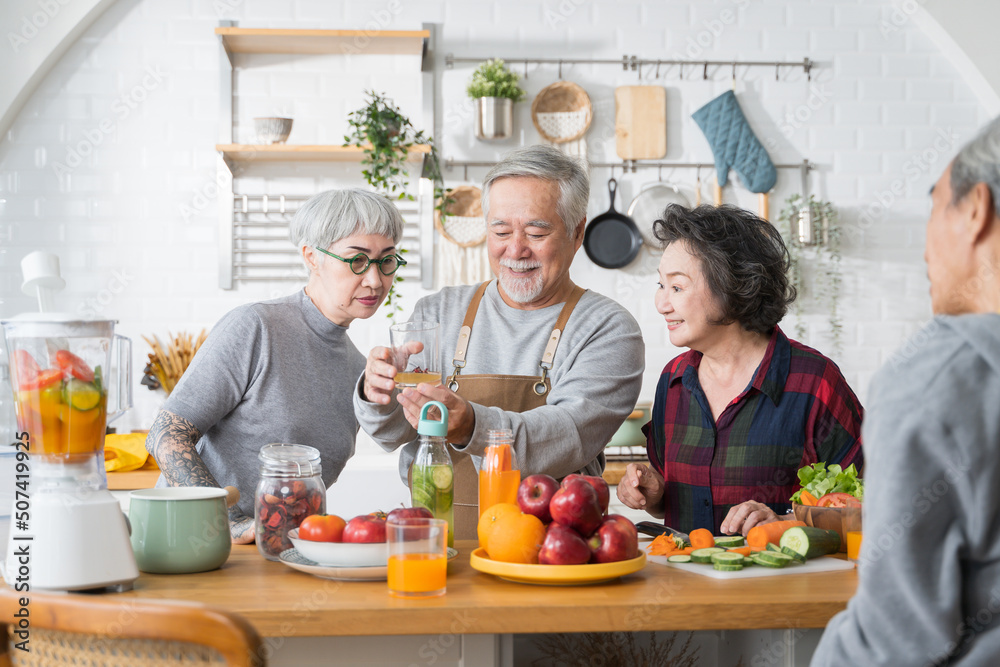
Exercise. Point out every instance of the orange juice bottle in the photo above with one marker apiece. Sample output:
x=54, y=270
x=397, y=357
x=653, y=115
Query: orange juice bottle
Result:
x=498, y=475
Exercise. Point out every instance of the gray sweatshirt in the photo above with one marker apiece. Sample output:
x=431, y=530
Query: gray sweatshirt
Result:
x=929, y=576
x=595, y=380
x=275, y=371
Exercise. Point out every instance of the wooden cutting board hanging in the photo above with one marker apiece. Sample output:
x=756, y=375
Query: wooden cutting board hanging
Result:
x=641, y=122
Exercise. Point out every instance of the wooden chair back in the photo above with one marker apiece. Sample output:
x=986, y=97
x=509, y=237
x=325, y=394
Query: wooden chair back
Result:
x=114, y=630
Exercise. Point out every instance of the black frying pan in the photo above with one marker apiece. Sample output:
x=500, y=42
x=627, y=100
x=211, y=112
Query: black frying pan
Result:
x=612, y=240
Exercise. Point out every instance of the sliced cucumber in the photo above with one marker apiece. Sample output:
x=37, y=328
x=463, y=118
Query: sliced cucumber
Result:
x=811, y=542
x=728, y=567
x=727, y=557
x=775, y=557
x=679, y=558
x=704, y=555
x=796, y=556
x=771, y=546
x=763, y=562
x=747, y=560
x=82, y=395
x=442, y=477
x=729, y=541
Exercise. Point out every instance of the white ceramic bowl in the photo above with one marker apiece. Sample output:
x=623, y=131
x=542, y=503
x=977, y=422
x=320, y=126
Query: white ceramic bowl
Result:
x=341, y=554
x=272, y=130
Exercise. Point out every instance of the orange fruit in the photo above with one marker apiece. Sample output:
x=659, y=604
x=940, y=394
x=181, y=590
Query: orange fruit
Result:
x=489, y=517
x=516, y=538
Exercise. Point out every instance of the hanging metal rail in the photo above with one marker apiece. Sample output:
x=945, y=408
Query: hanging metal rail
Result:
x=627, y=165
x=635, y=64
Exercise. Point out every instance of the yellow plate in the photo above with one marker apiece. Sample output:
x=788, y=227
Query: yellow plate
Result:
x=555, y=575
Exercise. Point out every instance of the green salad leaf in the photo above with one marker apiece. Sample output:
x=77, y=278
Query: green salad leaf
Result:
x=820, y=479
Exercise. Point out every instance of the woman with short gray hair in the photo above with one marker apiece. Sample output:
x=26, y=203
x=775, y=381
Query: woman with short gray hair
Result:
x=283, y=370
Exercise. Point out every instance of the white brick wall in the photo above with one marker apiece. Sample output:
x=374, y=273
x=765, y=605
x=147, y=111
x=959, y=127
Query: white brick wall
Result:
x=120, y=206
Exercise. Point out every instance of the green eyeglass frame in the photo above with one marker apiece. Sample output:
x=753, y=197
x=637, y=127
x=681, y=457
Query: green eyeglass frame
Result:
x=359, y=263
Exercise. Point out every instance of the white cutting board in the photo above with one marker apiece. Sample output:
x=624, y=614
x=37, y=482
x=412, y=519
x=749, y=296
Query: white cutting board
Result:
x=822, y=564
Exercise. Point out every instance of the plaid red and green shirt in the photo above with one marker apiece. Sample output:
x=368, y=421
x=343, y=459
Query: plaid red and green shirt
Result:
x=797, y=410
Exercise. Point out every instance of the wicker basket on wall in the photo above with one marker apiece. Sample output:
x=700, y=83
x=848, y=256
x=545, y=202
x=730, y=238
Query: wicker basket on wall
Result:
x=561, y=112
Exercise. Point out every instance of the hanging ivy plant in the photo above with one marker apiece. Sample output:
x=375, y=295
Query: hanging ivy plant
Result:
x=386, y=136
x=824, y=288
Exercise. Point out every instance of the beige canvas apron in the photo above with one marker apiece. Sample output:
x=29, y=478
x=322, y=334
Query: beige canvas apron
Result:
x=513, y=393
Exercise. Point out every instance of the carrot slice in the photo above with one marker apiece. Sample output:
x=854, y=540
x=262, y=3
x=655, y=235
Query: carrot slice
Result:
x=807, y=498
x=760, y=535
x=701, y=538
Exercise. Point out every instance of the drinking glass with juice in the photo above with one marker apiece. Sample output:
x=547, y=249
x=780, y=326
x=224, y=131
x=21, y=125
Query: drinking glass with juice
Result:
x=498, y=474
x=418, y=557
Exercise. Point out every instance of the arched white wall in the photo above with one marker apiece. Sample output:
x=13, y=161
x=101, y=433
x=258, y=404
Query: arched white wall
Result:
x=965, y=32
x=36, y=33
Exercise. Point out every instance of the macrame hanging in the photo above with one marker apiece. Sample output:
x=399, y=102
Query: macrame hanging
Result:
x=562, y=113
x=462, y=255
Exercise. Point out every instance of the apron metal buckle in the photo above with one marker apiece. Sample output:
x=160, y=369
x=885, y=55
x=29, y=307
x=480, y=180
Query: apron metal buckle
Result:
x=540, y=387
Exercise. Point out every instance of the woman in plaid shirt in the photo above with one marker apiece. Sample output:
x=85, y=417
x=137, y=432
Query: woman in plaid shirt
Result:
x=745, y=407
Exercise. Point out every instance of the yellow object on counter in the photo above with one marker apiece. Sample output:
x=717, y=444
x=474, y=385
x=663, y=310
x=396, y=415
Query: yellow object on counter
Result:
x=127, y=451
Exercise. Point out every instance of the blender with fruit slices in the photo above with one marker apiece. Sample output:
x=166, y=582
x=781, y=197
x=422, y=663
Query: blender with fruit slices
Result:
x=67, y=531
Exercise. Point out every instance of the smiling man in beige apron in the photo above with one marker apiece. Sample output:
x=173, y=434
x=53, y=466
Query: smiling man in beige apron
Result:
x=531, y=351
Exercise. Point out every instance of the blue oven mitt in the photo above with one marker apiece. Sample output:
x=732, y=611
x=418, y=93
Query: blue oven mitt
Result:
x=734, y=144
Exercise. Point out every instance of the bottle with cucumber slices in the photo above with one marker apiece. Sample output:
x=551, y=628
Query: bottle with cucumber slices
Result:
x=432, y=479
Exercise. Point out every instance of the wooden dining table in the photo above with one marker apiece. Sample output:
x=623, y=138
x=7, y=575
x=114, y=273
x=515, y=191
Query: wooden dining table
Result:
x=301, y=613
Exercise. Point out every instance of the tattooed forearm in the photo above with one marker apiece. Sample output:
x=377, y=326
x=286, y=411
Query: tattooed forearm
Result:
x=172, y=441
x=241, y=527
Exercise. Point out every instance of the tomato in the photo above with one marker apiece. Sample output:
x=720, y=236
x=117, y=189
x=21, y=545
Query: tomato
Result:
x=322, y=528
x=79, y=369
x=838, y=500
x=40, y=379
x=25, y=366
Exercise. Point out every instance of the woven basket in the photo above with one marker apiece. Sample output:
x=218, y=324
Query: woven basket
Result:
x=562, y=97
x=466, y=203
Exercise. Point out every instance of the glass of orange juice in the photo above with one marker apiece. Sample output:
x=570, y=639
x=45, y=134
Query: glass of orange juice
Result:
x=418, y=557
x=853, y=545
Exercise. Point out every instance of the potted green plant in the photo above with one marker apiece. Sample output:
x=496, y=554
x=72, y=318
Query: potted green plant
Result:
x=494, y=90
x=387, y=136
x=812, y=233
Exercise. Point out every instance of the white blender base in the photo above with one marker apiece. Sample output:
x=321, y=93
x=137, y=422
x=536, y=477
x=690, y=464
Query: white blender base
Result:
x=74, y=542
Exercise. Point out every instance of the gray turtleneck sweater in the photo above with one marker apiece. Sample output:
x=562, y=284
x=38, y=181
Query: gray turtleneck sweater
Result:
x=274, y=371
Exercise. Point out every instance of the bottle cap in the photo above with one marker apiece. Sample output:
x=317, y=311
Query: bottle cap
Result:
x=430, y=427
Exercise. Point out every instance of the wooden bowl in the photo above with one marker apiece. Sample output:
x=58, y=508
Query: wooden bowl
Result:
x=839, y=519
x=562, y=97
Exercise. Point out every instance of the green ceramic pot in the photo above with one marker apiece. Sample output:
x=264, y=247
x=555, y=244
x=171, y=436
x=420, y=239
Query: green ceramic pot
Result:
x=629, y=434
x=179, y=530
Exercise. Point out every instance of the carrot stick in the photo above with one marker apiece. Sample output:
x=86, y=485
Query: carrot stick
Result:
x=807, y=498
x=760, y=536
x=743, y=551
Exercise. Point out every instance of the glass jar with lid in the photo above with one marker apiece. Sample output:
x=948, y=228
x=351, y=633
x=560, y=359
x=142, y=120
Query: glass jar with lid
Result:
x=290, y=489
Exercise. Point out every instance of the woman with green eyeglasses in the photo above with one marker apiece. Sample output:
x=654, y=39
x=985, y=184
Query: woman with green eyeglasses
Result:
x=284, y=370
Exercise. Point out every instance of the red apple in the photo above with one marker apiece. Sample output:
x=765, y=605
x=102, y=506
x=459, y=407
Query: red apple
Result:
x=616, y=539
x=534, y=495
x=409, y=513
x=603, y=492
x=563, y=546
x=575, y=505
x=365, y=529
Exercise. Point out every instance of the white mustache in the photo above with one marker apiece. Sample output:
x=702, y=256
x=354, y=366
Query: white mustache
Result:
x=523, y=265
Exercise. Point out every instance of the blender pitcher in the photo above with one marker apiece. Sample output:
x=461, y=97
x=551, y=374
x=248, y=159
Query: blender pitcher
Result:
x=60, y=375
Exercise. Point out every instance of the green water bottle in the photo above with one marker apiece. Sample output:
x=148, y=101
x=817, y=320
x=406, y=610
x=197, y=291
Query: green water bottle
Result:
x=432, y=482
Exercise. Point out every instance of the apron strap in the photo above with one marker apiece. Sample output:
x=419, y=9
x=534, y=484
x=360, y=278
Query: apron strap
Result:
x=462, y=347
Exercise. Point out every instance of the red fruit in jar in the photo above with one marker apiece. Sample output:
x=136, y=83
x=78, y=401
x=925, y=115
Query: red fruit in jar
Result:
x=322, y=528
x=603, y=492
x=616, y=539
x=575, y=506
x=563, y=546
x=77, y=367
x=534, y=495
x=365, y=529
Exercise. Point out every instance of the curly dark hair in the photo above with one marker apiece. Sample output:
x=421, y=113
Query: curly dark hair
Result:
x=744, y=259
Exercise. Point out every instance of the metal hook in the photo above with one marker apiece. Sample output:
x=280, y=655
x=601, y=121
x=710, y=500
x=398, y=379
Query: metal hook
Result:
x=704, y=73
x=560, y=68
x=777, y=70
x=734, y=77
x=807, y=65
x=466, y=173
x=659, y=172
x=525, y=68
x=681, y=71
x=657, y=68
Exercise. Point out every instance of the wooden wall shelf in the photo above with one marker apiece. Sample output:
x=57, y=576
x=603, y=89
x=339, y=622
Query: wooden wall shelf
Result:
x=342, y=42
x=302, y=153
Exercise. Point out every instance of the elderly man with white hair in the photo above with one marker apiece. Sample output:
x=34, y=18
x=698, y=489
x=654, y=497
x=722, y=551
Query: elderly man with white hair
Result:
x=284, y=370
x=559, y=366
x=929, y=572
